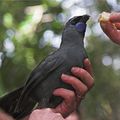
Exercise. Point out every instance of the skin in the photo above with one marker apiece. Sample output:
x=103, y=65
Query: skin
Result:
x=112, y=27
x=82, y=81
x=3, y=116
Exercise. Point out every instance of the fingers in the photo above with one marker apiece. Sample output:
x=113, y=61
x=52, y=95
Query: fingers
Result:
x=84, y=76
x=68, y=95
x=111, y=31
x=45, y=114
x=4, y=116
x=69, y=103
x=88, y=66
x=115, y=17
x=78, y=86
x=117, y=25
x=81, y=84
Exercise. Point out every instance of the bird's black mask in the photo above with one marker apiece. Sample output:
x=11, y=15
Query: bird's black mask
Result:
x=75, y=30
x=79, y=22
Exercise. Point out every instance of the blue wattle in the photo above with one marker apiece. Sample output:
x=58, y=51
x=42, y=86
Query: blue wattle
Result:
x=81, y=27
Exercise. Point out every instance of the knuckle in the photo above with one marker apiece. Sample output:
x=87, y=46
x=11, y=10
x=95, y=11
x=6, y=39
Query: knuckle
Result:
x=91, y=83
x=71, y=95
x=85, y=89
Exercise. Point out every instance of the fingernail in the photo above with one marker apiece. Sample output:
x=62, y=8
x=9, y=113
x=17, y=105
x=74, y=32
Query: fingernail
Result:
x=86, y=60
x=64, y=76
x=75, y=69
x=54, y=92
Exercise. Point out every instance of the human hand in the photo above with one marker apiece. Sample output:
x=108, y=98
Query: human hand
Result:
x=48, y=114
x=45, y=114
x=111, y=26
x=82, y=82
x=4, y=116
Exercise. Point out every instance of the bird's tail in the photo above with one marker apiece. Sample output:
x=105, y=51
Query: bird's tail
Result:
x=9, y=101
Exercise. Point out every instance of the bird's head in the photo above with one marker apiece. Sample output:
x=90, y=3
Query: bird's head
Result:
x=75, y=28
x=78, y=22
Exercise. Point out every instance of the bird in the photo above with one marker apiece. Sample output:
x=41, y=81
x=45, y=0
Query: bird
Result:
x=37, y=92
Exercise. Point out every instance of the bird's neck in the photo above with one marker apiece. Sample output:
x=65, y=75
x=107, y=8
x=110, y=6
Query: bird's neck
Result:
x=71, y=41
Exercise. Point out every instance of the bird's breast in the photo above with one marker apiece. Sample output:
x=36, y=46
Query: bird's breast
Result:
x=75, y=56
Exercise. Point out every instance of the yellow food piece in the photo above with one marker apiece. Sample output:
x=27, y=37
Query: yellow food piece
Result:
x=104, y=17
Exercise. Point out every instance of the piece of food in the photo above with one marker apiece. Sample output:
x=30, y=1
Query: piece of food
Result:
x=104, y=17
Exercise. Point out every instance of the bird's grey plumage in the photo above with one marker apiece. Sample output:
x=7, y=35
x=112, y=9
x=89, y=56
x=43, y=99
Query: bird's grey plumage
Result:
x=46, y=77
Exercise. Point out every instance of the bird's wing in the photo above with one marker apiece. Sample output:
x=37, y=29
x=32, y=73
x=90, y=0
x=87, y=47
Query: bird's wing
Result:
x=39, y=74
x=43, y=70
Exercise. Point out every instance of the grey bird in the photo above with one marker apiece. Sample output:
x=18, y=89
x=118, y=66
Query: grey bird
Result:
x=46, y=77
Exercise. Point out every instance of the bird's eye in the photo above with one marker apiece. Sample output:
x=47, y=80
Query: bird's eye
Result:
x=81, y=27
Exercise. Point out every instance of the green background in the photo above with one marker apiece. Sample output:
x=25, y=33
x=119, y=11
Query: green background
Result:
x=28, y=31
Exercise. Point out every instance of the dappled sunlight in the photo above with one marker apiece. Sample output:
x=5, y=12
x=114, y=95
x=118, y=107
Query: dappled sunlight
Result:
x=107, y=60
x=116, y=63
x=31, y=30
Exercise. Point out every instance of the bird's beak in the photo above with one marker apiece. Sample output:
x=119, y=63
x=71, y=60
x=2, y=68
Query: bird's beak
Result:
x=85, y=18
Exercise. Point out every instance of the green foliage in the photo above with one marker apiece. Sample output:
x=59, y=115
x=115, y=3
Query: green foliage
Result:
x=23, y=24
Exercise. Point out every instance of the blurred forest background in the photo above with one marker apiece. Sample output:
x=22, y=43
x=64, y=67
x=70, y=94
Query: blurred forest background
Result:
x=31, y=29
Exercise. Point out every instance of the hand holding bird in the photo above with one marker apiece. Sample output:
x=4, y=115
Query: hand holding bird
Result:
x=82, y=82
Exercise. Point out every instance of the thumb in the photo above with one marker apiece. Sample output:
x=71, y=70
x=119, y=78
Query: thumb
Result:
x=111, y=31
x=115, y=17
